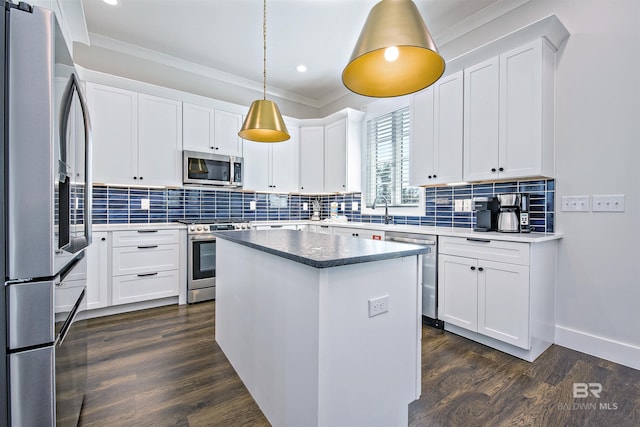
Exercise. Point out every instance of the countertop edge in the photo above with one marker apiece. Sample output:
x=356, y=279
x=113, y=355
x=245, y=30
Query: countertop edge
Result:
x=334, y=262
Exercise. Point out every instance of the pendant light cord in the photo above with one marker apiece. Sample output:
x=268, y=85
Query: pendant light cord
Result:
x=264, y=53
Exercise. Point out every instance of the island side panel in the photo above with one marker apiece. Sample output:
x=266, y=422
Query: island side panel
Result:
x=267, y=326
x=368, y=365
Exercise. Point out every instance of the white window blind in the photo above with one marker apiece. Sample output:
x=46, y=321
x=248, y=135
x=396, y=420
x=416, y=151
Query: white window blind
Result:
x=388, y=159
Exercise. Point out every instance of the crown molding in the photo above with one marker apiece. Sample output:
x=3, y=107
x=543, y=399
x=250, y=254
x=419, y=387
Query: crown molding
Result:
x=478, y=19
x=191, y=67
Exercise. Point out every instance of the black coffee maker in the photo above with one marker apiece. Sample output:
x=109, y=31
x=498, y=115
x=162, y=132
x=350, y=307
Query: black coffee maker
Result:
x=487, y=209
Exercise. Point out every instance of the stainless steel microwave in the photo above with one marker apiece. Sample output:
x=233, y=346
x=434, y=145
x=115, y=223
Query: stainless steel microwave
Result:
x=212, y=169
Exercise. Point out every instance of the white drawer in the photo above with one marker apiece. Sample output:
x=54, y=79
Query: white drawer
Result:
x=144, y=287
x=145, y=237
x=147, y=258
x=481, y=248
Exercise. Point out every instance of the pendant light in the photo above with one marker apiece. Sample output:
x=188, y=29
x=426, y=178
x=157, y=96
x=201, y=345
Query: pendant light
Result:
x=264, y=122
x=395, y=54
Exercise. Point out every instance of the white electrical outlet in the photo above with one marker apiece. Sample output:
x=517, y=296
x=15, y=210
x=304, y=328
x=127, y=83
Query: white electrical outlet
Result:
x=354, y=206
x=343, y=206
x=305, y=206
x=458, y=205
x=144, y=204
x=252, y=205
x=613, y=203
x=378, y=305
x=575, y=203
x=467, y=205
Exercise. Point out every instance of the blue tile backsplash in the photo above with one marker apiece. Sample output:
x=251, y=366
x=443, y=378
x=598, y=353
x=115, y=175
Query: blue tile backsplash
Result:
x=112, y=205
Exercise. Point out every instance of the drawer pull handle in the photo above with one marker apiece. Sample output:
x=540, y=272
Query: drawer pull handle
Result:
x=147, y=231
x=478, y=240
x=148, y=247
x=276, y=226
x=147, y=274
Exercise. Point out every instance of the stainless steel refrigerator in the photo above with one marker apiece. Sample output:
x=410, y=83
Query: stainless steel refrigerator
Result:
x=46, y=217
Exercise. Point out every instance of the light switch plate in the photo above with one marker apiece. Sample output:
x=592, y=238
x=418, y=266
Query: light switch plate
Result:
x=343, y=206
x=467, y=205
x=305, y=206
x=252, y=205
x=611, y=203
x=354, y=206
x=144, y=204
x=575, y=203
x=458, y=205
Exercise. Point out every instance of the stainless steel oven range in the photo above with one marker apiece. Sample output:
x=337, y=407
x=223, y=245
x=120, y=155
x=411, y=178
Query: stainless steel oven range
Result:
x=201, y=255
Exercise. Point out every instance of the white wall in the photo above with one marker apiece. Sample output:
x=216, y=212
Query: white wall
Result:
x=597, y=152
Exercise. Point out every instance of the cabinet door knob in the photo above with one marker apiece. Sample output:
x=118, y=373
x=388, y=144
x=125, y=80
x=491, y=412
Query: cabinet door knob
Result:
x=429, y=176
x=473, y=268
x=135, y=177
x=103, y=239
x=493, y=169
x=435, y=176
x=141, y=178
x=480, y=269
x=501, y=169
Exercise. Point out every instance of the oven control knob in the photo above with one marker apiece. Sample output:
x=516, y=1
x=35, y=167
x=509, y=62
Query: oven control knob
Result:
x=192, y=228
x=205, y=228
x=199, y=228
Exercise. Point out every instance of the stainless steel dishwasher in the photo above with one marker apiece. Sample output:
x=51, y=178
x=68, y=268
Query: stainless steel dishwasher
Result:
x=429, y=262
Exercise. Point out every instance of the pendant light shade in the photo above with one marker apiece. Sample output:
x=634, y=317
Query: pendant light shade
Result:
x=264, y=122
x=395, y=54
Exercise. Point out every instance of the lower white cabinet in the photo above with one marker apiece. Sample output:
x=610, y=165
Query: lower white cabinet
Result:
x=98, y=271
x=488, y=297
x=134, y=266
x=146, y=267
x=499, y=293
x=359, y=232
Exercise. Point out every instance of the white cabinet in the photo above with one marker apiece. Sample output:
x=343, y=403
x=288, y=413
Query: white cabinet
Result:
x=137, y=138
x=342, y=152
x=272, y=166
x=159, y=141
x=114, y=120
x=437, y=127
x=509, y=115
x=359, y=232
x=312, y=159
x=207, y=129
x=145, y=265
x=484, y=287
x=98, y=274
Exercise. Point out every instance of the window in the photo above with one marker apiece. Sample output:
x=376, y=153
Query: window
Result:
x=387, y=173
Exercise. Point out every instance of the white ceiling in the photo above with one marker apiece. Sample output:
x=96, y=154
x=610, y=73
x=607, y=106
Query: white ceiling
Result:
x=225, y=36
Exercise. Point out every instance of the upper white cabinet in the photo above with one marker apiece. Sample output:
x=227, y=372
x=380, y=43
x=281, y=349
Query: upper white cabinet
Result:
x=509, y=115
x=342, y=152
x=437, y=127
x=114, y=120
x=137, y=138
x=159, y=141
x=272, y=166
x=312, y=159
x=211, y=130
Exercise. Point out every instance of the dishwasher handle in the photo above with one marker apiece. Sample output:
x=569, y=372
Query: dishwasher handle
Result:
x=409, y=240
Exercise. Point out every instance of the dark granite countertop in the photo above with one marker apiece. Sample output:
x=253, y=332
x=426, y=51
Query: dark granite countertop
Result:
x=320, y=250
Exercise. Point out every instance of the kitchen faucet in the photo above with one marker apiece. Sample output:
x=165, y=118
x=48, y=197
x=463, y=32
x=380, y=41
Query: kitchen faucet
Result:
x=387, y=218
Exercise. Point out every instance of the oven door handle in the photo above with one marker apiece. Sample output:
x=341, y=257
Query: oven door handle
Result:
x=202, y=238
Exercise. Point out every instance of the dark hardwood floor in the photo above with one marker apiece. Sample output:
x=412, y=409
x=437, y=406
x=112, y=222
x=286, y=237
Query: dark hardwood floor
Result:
x=162, y=367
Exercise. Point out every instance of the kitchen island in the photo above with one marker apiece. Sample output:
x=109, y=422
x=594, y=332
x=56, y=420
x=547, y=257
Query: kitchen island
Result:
x=323, y=330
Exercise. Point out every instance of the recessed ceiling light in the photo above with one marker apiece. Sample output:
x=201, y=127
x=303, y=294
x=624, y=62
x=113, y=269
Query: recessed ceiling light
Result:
x=301, y=68
x=111, y=2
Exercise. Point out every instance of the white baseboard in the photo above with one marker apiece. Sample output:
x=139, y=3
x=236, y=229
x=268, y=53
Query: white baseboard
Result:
x=615, y=351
